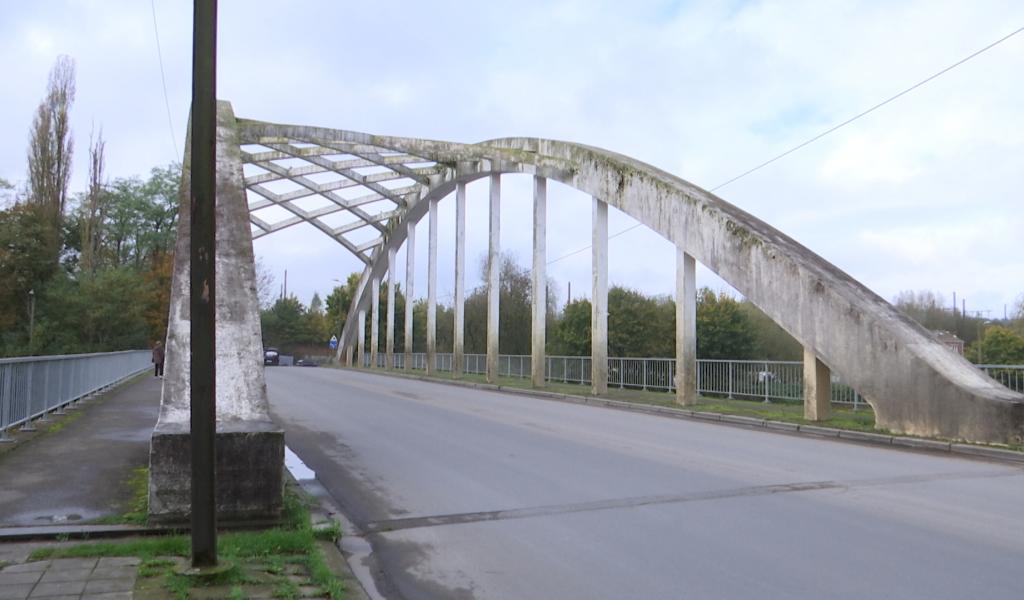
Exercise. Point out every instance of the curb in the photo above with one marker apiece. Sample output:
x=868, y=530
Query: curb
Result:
x=876, y=439
x=77, y=532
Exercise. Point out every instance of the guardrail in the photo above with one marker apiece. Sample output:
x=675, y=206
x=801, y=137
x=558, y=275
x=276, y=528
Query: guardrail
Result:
x=33, y=386
x=766, y=380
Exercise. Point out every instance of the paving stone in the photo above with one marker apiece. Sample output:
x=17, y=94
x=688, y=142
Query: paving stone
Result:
x=19, y=578
x=62, y=588
x=55, y=575
x=119, y=561
x=309, y=591
x=15, y=592
x=103, y=586
x=73, y=563
x=102, y=572
x=253, y=592
x=218, y=592
x=108, y=596
x=29, y=567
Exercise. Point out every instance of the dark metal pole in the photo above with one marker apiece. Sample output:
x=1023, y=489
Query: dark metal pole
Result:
x=31, y=319
x=203, y=282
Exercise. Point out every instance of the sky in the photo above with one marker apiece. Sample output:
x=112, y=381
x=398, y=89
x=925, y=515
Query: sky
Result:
x=922, y=194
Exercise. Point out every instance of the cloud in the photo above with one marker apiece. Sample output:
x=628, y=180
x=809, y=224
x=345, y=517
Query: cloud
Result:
x=704, y=90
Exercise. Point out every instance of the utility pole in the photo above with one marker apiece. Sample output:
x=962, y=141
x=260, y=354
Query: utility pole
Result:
x=203, y=226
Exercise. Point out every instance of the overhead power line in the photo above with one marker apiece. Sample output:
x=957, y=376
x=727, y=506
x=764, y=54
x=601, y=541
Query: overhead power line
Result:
x=826, y=132
x=163, y=80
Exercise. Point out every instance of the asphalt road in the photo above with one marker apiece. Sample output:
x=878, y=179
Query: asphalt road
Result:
x=474, y=494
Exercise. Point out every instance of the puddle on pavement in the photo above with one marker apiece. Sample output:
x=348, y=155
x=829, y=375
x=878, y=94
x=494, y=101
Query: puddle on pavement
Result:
x=298, y=469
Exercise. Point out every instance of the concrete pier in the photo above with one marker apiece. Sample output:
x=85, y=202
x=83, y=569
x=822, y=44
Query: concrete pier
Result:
x=362, y=339
x=459, y=335
x=374, y=321
x=540, y=284
x=410, y=278
x=493, y=276
x=686, y=328
x=249, y=446
x=389, y=336
x=599, y=300
x=432, y=288
x=817, y=388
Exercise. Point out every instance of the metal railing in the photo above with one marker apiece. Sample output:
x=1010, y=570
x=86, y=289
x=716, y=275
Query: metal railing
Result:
x=1012, y=376
x=760, y=379
x=33, y=386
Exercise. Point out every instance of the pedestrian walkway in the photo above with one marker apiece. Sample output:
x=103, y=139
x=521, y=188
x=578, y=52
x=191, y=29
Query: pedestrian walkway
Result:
x=70, y=579
x=79, y=473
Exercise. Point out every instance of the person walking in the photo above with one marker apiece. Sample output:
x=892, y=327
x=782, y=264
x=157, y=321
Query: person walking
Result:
x=158, y=359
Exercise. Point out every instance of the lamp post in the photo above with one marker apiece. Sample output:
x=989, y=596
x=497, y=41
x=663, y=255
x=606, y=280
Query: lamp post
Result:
x=31, y=317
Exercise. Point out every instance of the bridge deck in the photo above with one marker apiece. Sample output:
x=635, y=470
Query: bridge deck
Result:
x=504, y=496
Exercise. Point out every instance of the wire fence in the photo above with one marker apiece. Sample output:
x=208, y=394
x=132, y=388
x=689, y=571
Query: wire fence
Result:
x=32, y=387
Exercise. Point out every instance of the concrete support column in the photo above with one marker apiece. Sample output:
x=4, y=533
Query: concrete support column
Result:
x=493, y=272
x=817, y=388
x=458, y=344
x=374, y=321
x=348, y=356
x=362, y=337
x=540, y=287
x=410, y=278
x=389, y=341
x=686, y=328
x=599, y=301
x=432, y=288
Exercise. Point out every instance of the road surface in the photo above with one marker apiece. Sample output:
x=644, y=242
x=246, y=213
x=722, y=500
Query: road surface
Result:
x=476, y=494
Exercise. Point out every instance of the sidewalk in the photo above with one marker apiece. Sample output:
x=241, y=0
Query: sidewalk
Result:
x=57, y=481
x=79, y=473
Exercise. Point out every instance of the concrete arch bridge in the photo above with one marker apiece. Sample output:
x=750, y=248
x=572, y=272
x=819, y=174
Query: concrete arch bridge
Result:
x=369, y=193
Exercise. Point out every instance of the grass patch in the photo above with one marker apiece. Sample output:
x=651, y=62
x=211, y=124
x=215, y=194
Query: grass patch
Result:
x=137, y=510
x=262, y=558
x=63, y=421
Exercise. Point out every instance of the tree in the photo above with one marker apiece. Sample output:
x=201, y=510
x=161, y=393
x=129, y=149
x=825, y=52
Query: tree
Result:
x=771, y=342
x=285, y=324
x=723, y=331
x=640, y=325
x=572, y=333
x=338, y=303
x=93, y=206
x=998, y=346
x=264, y=285
x=24, y=265
x=317, y=321
x=1018, y=315
x=51, y=148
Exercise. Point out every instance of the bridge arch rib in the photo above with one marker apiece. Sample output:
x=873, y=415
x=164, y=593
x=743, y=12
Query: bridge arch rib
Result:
x=914, y=383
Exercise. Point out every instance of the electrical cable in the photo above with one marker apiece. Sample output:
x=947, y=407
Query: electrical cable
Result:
x=163, y=79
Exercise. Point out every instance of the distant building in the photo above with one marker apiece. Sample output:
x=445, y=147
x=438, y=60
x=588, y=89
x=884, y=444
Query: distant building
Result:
x=950, y=340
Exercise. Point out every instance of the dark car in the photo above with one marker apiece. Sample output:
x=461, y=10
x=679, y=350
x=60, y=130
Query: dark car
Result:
x=271, y=357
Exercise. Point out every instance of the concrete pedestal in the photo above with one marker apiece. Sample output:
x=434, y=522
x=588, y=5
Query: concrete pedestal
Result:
x=249, y=446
